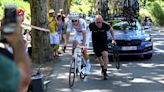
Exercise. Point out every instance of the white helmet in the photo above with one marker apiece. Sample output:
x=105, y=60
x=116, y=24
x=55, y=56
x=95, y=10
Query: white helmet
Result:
x=74, y=16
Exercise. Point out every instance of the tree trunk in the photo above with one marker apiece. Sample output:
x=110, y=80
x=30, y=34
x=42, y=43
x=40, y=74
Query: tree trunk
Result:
x=41, y=50
x=53, y=5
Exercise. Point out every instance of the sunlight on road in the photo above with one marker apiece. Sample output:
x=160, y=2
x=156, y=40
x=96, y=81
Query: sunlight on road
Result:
x=141, y=80
x=121, y=83
x=63, y=76
x=151, y=65
x=146, y=65
x=98, y=90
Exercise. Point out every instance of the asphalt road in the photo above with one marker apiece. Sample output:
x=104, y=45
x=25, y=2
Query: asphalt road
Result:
x=135, y=75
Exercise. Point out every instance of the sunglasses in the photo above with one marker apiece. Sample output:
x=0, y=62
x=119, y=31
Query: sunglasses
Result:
x=74, y=20
x=98, y=22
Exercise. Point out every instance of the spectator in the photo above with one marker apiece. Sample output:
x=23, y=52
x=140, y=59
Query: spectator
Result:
x=54, y=37
x=15, y=74
x=149, y=22
x=59, y=24
x=61, y=11
x=20, y=15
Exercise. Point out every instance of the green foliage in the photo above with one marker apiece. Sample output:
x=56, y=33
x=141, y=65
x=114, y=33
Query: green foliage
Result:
x=21, y=4
x=81, y=6
x=151, y=0
x=150, y=10
x=158, y=13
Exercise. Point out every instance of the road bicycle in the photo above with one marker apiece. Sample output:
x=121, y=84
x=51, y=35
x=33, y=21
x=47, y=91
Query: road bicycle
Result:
x=116, y=58
x=77, y=66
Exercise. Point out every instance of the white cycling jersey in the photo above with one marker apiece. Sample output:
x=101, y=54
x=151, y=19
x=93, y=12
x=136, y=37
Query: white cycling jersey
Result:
x=81, y=27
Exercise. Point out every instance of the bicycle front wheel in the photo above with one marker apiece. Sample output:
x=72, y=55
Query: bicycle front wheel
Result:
x=72, y=72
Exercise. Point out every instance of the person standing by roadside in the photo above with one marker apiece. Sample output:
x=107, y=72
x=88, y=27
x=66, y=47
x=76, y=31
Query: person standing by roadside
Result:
x=61, y=11
x=100, y=43
x=15, y=74
x=59, y=24
x=54, y=37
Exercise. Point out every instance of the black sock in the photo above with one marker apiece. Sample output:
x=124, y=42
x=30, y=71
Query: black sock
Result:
x=73, y=50
x=102, y=67
x=104, y=72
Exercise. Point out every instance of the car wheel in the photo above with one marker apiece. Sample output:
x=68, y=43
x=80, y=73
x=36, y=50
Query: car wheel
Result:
x=147, y=56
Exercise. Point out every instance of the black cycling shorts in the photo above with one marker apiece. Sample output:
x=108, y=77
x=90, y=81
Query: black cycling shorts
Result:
x=99, y=48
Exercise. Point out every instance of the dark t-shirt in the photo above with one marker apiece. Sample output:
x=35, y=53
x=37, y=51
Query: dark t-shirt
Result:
x=99, y=35
x=63, y=18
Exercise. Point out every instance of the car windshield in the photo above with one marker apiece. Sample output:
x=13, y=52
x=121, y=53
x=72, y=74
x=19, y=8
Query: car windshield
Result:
x=124, y=25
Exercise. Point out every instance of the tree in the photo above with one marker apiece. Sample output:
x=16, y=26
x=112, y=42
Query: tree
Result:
x=41, y=50
x=52, y=4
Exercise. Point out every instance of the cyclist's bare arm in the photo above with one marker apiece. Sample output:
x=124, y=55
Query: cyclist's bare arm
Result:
x=84, y=38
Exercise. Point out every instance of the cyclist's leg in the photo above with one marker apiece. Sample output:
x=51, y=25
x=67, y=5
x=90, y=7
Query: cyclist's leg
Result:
x=75, y=42
x=85, y=55
x=87, y=61
x=85, y=52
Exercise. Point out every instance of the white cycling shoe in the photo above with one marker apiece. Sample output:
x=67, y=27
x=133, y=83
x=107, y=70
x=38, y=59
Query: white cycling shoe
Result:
x=86, y=70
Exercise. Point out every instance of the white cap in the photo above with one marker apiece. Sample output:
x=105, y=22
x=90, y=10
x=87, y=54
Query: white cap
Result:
x=51, y=11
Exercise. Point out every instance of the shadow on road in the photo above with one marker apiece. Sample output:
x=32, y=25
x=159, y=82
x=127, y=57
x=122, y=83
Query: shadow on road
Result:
x=135, y=75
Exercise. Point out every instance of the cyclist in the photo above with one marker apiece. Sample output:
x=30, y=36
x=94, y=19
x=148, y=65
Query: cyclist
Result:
x=100, y=43
x=79, y=38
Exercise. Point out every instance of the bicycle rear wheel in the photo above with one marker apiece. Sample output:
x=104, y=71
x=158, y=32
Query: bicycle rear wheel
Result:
x=72, y=73
x=116, y=58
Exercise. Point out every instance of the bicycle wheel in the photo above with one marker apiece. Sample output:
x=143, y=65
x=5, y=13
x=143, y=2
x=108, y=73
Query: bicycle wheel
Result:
x=116, y=58
x=72, y=72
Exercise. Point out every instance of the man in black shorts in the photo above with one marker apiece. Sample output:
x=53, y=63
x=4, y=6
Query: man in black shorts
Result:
x=100, y=43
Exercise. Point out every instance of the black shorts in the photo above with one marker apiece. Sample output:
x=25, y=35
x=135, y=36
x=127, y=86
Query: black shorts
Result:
x=99, y=48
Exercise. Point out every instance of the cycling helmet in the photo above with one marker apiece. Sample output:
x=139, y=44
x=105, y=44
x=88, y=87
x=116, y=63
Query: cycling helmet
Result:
x=74, y=16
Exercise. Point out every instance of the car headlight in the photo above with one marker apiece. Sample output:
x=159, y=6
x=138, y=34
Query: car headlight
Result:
x=147, y=39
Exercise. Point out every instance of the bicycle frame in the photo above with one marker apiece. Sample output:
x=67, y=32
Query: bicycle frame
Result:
x=79, y=59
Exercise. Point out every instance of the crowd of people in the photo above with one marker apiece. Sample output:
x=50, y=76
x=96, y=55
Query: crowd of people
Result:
x=78, y=23
x=17, y=78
